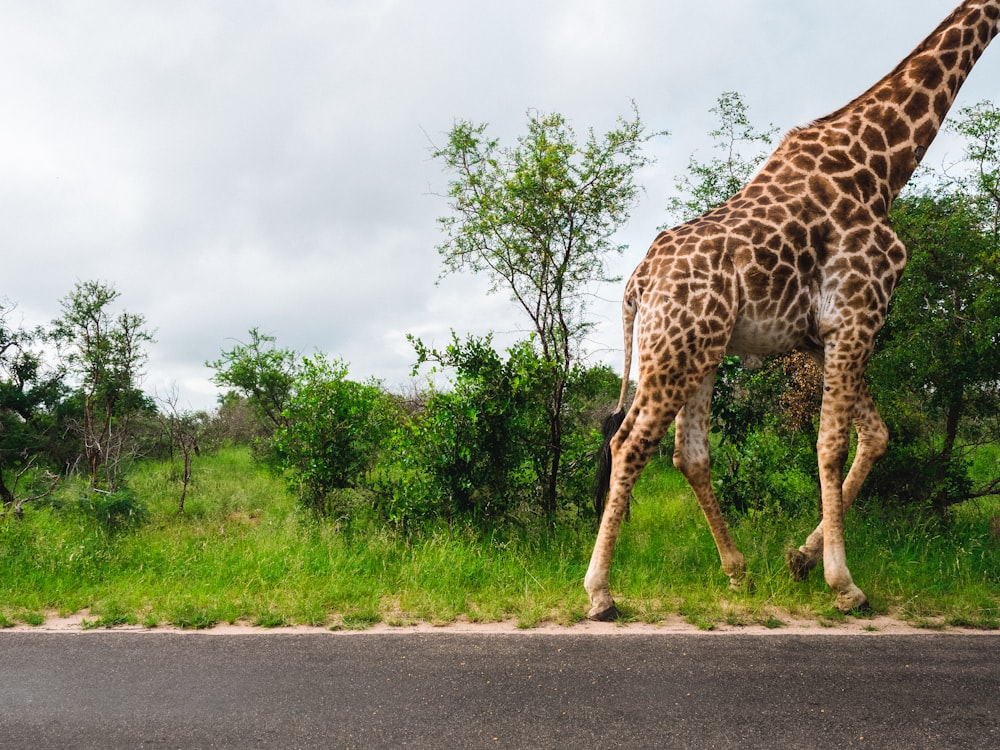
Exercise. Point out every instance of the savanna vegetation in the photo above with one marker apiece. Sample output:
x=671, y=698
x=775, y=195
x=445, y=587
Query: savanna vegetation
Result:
x=309, y=497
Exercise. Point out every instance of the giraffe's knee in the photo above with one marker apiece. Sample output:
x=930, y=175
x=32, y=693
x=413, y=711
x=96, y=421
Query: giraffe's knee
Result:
x=873, y=435
x=694, y=465
x=831, y=455
x=875, y=440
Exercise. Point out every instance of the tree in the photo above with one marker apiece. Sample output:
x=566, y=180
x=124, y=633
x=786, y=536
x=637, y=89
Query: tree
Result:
x=938, y=357
x=29, y=392
x=327, y=430
x=939, y=352
x=980, y=126
x=538, y=220
x=183, y=429
x=710, y=184
x=106, y=354
x=261, y=372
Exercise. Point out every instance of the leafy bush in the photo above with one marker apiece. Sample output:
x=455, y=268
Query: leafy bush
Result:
x=934, y=373
x=332, y=431
x=481, y=451
x=468, y=453
x=915, y=471
x=767, y=472
x=113, y=511
x=764, y=420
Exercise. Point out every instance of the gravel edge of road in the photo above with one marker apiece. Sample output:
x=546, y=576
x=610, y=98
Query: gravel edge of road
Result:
x=851, y=626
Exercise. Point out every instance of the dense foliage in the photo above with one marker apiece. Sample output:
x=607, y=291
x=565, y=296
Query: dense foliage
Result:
x=480, y=451
x=508, y=438
x=538, y=219
x=70, y=397
x=475, y=451
x=937, y=368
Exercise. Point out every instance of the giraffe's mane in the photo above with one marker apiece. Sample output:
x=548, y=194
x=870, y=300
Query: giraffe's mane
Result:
x=930, y=42
x=796, y=130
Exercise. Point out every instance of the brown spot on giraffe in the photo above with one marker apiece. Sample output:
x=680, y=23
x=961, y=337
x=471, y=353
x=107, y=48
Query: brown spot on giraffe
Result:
x=803, y=258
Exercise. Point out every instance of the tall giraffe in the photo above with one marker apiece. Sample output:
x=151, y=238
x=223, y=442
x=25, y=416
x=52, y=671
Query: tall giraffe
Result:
x=802, y=258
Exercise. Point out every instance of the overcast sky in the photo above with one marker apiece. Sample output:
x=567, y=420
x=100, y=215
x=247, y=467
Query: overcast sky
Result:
x=244, y=163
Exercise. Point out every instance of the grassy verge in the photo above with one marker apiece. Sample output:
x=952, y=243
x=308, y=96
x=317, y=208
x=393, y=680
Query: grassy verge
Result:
x=243, y=551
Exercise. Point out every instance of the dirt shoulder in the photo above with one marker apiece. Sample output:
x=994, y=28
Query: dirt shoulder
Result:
x=851, y=626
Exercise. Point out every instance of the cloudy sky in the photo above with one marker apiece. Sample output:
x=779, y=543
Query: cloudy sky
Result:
x=236, y=163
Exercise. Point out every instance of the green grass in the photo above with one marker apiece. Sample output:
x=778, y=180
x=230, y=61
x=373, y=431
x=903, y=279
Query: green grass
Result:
x=243, y=551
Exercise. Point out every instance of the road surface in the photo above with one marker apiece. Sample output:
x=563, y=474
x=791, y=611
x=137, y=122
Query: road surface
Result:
x=516, y=690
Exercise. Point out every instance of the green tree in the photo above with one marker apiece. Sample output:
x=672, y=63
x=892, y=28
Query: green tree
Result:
x=262, y=373
x=327, y=430
x=538, y=219
x=106, y=354
x=980, y=126
x=29, y=394
x=936, y=367
x=939, y=353
x=710, y=184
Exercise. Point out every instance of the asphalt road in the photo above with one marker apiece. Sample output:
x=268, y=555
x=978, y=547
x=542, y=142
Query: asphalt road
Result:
x=441, y=690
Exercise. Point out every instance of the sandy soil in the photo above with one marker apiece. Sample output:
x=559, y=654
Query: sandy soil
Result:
x=879, y=625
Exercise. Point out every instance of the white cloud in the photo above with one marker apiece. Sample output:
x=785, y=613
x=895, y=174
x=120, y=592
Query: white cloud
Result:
x=237, y=164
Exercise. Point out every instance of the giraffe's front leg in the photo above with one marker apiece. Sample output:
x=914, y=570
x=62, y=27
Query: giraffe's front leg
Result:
x=596, y=582
x=835, y=570
x=842, y=386
x=873, y=438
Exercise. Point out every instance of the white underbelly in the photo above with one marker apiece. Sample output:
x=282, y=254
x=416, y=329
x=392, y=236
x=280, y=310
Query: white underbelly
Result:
x=762, y=338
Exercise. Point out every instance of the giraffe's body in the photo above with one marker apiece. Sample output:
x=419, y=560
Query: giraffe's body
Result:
x=802, y=258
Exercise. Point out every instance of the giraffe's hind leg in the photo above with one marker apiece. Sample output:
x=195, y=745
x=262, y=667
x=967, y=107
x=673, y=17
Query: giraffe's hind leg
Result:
x=873, y=438
x=691, y=457
x=631, y=447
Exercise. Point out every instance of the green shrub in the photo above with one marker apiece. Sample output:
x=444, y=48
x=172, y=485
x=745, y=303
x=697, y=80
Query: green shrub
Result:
x=914, y=471
x=467, y=454
x=113, y=511
x=333, y=429
x=767, y=472
x=481, y=451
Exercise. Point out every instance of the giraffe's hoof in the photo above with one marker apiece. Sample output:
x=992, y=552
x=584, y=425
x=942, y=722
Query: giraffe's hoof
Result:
x=853, y=601
x=610, y=614
x=799, y=563
x=741, y=582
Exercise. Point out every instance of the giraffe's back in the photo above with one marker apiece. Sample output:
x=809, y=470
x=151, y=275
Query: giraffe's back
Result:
x=742, y=283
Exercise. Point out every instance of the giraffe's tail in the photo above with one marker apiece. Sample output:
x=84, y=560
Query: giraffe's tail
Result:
x=602, y=480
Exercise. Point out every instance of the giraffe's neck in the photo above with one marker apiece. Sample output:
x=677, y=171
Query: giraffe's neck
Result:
x=909, y=105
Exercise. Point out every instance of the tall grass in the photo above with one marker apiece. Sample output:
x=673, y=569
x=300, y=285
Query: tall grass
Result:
x=244, y=551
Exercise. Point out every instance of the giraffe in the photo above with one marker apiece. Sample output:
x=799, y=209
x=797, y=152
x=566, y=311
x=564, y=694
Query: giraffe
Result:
x=802, y=258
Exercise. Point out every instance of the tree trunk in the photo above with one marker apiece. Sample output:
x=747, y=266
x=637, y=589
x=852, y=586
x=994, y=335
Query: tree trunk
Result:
x=551, y=490
x=953, y=417
x=7, y=498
